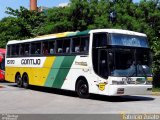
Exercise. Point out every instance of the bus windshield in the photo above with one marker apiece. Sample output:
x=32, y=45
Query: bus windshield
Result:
x=129, y=40
x=121, y=55
x=130, y=62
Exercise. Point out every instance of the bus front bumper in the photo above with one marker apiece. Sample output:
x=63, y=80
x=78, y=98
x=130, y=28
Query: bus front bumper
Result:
x=118, y=90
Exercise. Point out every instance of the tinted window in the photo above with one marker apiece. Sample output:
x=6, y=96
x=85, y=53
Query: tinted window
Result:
x=100, y=39
x=59, y=46
x=45, y=48
x=52, y=47
x=14, y=50
x=80, y=44
x=35, y=48
x=8, y=50
x=76, y=45
x=66, y=46
x=84, y=44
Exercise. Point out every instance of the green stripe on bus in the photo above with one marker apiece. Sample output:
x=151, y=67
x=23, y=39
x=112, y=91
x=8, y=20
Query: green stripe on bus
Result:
x=82, y=33
x=86, y=32
x=63, y=71
x=54, y=71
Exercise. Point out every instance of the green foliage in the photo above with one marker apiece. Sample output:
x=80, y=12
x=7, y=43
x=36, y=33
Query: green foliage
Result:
x=23, y=24
x=28, y=21
x=87, y=14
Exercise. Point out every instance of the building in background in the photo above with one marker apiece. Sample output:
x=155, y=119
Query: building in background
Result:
x=33, y=5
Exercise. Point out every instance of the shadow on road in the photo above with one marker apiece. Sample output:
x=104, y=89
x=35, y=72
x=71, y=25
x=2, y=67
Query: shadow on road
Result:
x=121, y=98
x=92, y=97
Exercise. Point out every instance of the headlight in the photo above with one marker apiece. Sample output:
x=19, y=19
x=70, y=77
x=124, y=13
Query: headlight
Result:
x=118, y=82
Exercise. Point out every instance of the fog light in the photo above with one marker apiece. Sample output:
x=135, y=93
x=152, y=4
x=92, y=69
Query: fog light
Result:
x=120, y=91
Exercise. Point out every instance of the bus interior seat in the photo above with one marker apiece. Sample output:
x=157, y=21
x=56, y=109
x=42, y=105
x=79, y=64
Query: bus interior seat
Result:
x=60, y=50
x=26, y=53
x=85, y=48
x=67, y=50
x=51, y=51
x=77, y=49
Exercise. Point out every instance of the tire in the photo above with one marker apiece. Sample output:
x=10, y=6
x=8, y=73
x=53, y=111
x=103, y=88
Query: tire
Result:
x=82, y=89
x=25, y=80
x=18, y=80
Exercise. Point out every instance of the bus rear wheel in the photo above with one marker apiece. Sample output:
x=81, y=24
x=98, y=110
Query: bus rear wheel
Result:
x=82, y=89
x=18, y=80
x=25, y=81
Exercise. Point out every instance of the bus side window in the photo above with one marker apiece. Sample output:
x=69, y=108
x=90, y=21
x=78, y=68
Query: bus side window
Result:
x=35, y=48
x=66, y=45
x=45, y=48
x=15, y=50
x=8, y=50
x=22, y=51
x=59, y=46
x=100, y=39
x=76, y=45
x=84, y=44
x=26, y=49
x=52, y=47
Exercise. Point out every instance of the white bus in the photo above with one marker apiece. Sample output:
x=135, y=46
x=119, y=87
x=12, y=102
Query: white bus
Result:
x=101, y=61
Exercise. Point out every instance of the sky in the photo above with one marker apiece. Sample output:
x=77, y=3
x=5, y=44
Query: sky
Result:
x=15, y=4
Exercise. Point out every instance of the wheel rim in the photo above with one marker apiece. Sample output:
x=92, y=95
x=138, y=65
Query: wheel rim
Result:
x=83, y=89
x=25, y=81
x=18, y=80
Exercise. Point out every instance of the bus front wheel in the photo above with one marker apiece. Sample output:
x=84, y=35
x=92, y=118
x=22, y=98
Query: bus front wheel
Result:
x=82, y=89
x=25, y=81
x=18, y=80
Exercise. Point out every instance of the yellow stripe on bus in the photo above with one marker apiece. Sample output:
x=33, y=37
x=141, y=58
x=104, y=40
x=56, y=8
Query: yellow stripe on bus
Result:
x=37, y=76
x=42, y=73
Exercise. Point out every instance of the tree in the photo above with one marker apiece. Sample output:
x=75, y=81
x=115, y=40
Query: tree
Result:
x=29, y=22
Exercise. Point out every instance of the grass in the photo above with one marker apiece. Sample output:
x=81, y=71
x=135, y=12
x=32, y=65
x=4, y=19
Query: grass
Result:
x=156, y=89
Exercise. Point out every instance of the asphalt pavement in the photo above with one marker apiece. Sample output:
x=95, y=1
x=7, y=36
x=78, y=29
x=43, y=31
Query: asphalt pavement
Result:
x=40, y=100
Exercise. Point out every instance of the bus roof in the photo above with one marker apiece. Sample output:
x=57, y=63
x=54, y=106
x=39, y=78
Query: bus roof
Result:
x=77, y=33
x=120, y=31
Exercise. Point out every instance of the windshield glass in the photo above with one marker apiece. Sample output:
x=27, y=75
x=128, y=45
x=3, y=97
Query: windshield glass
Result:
x=129, y=40
x=130, y=62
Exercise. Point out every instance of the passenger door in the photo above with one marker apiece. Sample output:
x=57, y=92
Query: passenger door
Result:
x=103, y=70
